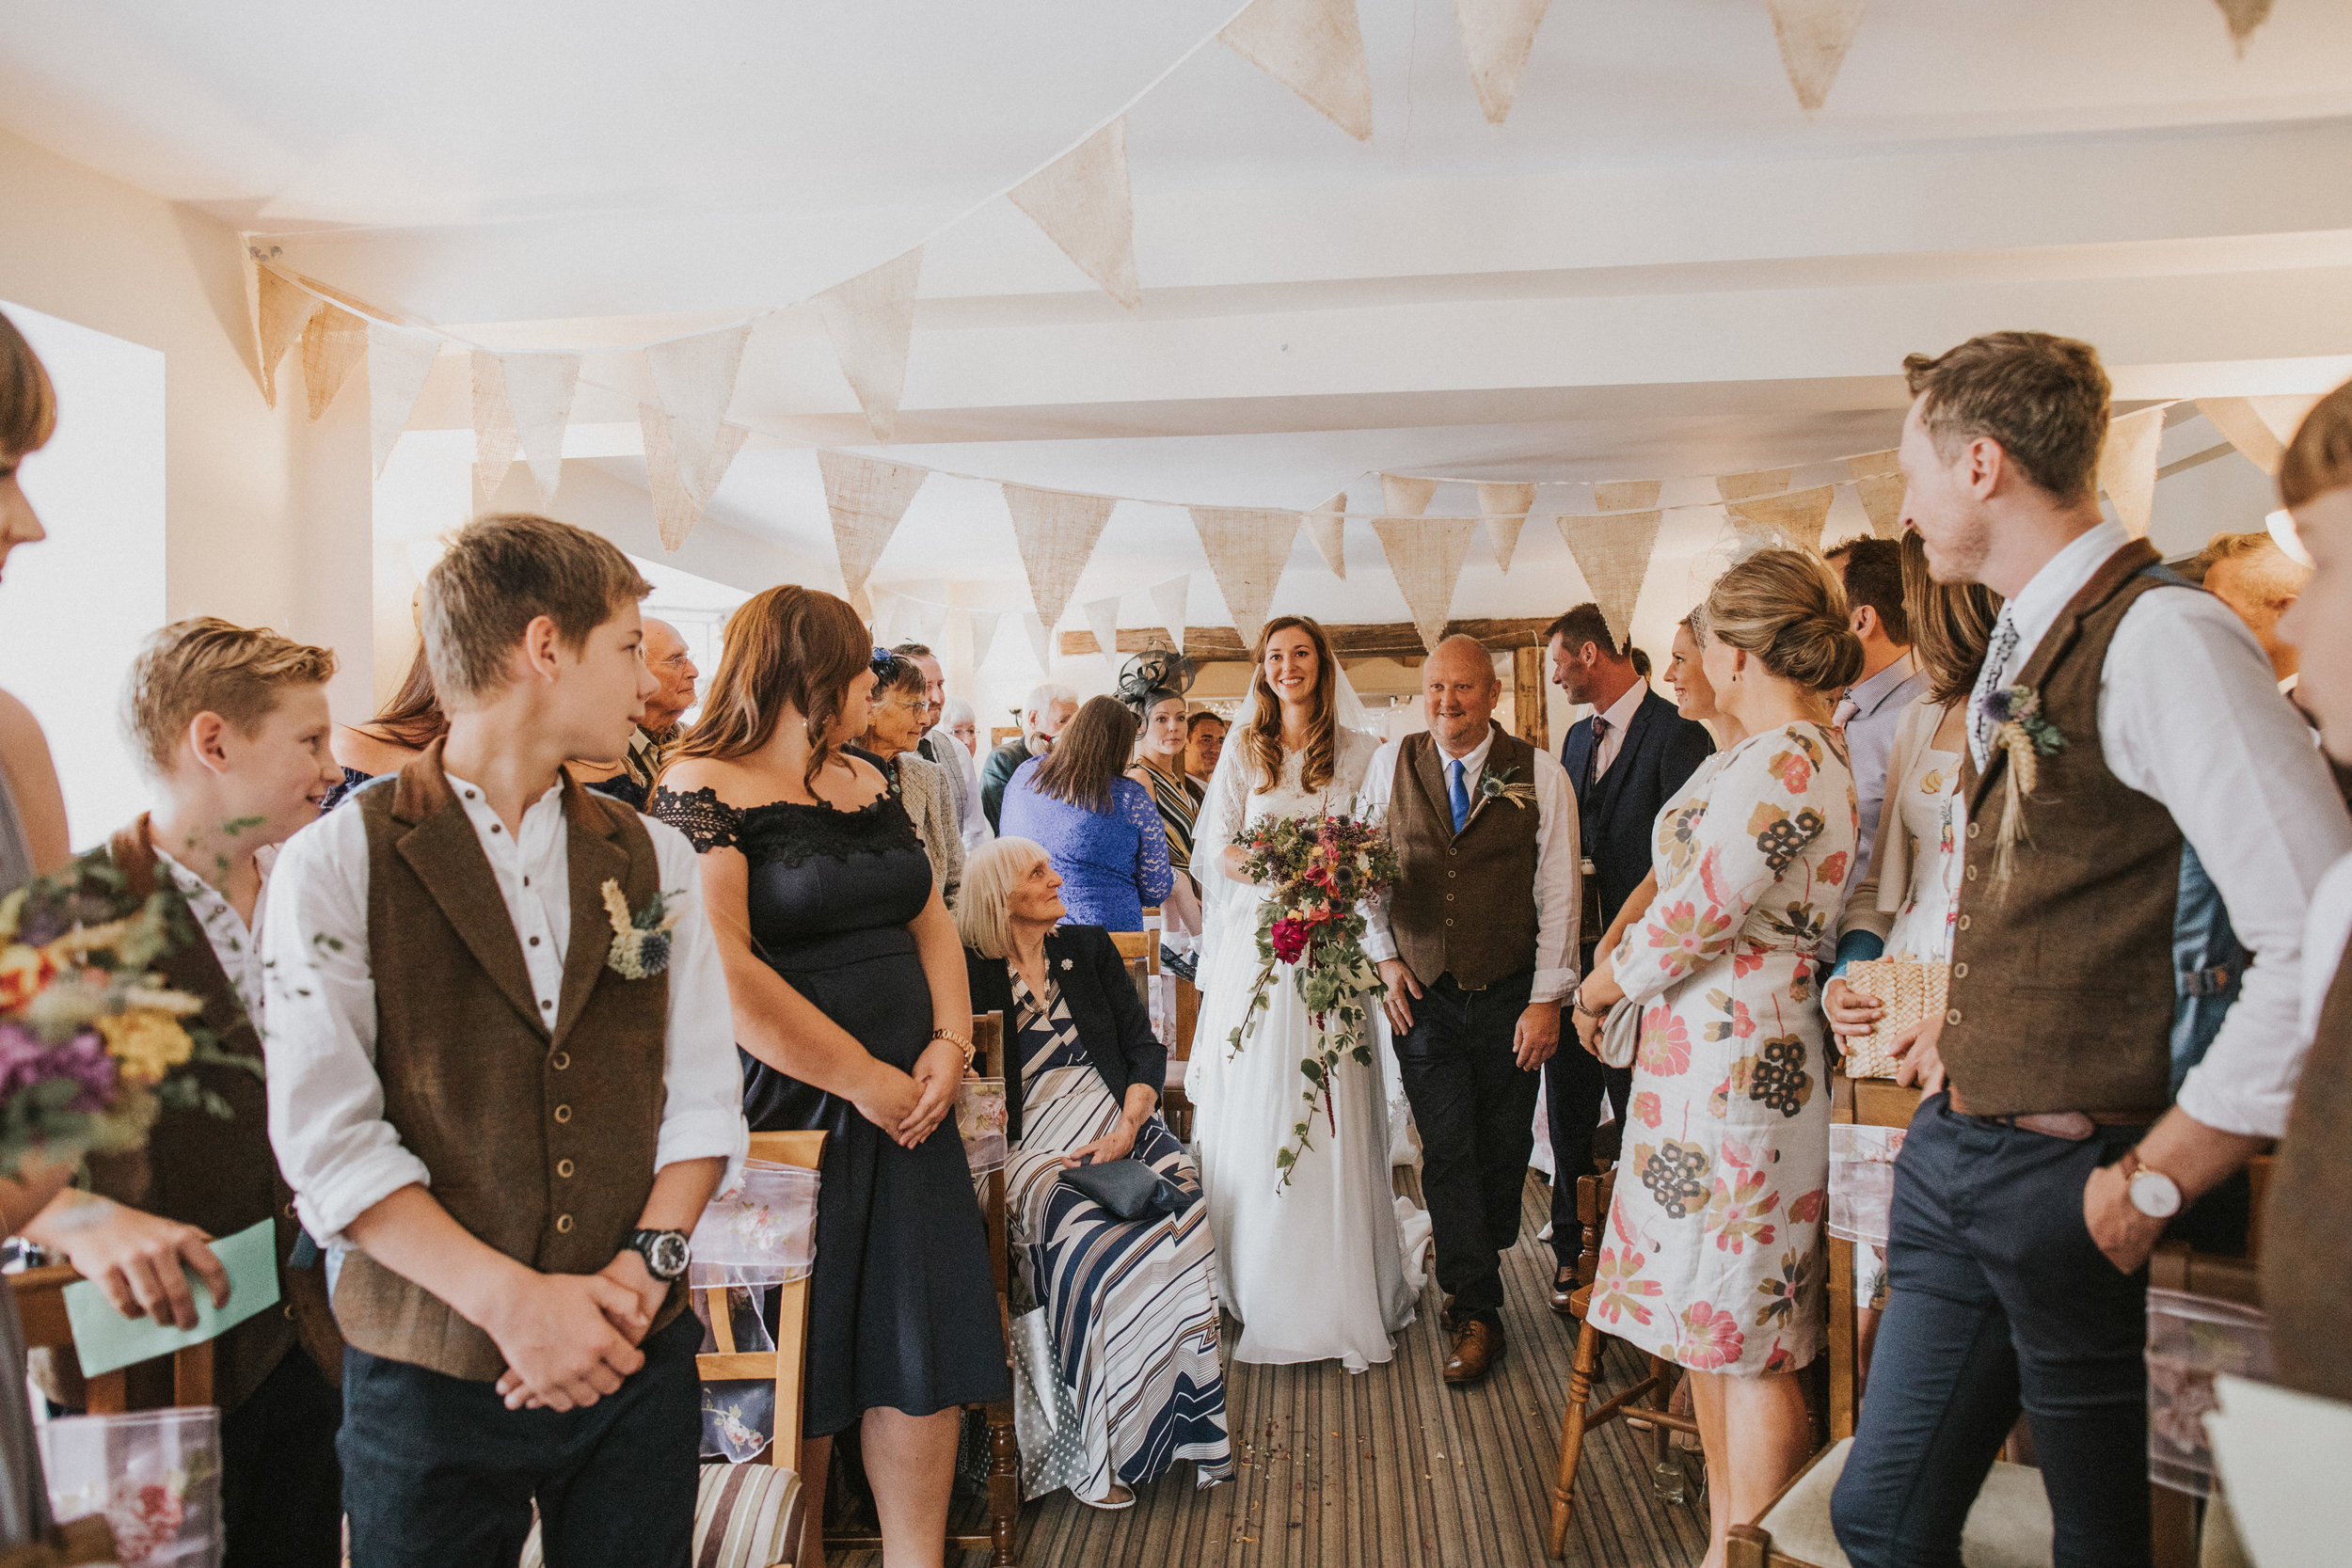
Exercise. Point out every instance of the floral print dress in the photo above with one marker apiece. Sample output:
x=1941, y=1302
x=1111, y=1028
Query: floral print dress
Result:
x=1714, y=1257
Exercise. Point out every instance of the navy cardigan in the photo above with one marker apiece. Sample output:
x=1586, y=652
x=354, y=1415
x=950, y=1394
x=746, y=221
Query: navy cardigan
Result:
x=1110, y=1018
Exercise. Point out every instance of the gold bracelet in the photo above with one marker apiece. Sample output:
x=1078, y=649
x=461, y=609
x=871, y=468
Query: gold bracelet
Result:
x=961, y=1042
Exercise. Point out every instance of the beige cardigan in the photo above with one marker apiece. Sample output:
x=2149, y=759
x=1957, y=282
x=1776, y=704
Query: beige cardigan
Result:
x=1879, y=896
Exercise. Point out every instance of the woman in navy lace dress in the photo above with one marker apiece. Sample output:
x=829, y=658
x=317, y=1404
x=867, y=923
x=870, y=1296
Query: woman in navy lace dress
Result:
x=852, y=1015
x=1099, y=829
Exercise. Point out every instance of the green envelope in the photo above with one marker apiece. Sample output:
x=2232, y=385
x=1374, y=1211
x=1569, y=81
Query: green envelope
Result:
x=104, y=1338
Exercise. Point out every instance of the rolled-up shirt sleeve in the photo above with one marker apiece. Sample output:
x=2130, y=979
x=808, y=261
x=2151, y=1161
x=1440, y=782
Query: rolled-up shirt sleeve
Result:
x=2188, y=713
x=702, y=1114
x=1372, y=804
x=1559, y=881
x=325, y=1102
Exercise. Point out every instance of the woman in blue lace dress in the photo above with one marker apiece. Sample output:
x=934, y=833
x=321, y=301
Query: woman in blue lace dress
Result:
x=851, y=1014
x=1099, y=829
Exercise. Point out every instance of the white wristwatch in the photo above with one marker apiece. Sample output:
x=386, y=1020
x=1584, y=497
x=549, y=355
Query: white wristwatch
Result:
x=2153, y=1193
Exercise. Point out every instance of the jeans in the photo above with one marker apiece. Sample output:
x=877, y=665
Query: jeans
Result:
x=437, y=1473
x=1475, y=1107
x=1999, y=1299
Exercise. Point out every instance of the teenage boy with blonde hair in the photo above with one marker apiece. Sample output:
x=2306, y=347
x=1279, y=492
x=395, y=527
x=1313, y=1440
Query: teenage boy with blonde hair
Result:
x=503, y=1085
x=231, y=724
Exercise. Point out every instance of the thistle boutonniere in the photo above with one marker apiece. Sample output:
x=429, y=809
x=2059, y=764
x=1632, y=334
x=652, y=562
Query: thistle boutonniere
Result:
x=2025, y=734
x=640, y=941
x=1496, y=784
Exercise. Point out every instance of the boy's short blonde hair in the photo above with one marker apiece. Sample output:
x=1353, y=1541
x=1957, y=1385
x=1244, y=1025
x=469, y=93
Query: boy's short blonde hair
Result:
x=501, y=572
x=207, y=665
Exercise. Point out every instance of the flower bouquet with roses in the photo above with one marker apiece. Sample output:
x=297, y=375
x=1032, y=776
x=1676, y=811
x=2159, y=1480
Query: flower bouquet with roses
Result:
x=1316, y=870
x=93, y=1045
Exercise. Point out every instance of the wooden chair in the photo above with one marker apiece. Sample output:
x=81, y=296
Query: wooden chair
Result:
x=1141, y=951
x=1865, y=1102
x=990, y=1059
x=1591, y=1214
x=41, y=1305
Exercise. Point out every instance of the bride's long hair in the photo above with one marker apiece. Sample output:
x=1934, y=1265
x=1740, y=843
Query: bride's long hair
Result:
x=1262, y=737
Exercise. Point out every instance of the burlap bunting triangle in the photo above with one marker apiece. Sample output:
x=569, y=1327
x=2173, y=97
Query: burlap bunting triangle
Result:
x=1879, y=484
x=1763, y=482
x=1495, y=37
x=1425, y=557
x=1102, y=620
x=680, y=492
x=1326, y=525
x=1315, y=48
x=2242, y=424
x=398, y=364
x=1402, y=496
x=982, y=625
x=694, y=379
x=333, y=343
x=1626, y=495
x=539, y=388
x=1814, y=37
x=1796, y=517
x=870, y=320
x=1613, y=551
x=1172, y=601
x=2243, y=16
x=1247, y=548
x=866, y=497
x=1083, y=204
x=1041, y=641
x=1504, y=507
x=280, y=313
x=2127, y=467
x=1056, y=531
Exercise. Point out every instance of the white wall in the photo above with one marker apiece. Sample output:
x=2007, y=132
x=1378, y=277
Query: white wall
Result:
x=76, y=605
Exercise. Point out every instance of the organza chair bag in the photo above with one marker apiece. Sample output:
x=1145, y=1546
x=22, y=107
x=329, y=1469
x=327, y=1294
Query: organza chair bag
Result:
x=155, y=1474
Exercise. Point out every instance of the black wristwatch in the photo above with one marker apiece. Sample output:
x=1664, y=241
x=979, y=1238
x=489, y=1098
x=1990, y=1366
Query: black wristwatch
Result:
x=664, y=1251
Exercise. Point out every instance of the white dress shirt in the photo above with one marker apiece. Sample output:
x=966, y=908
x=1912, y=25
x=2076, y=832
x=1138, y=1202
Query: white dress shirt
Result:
x=325, y=1102
x=1558, y=858
x=237, y=948
x=1871, y=712
x=2190, y=716
x=1620, y=713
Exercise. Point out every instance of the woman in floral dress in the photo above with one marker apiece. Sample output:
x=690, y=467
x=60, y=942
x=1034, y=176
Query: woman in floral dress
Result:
x=1713, y=1256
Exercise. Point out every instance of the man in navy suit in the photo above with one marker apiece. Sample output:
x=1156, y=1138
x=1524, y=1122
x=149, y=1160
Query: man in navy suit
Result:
x=1623, y=761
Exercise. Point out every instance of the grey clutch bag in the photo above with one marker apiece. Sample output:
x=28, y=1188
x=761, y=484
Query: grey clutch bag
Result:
x=1619, y=1032
x=1128, y=1188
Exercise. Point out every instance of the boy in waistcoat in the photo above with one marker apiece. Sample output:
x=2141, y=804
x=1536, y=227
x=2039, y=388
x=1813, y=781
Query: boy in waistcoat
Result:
x=2129, y=756
x=231, y=724
x=502, y=1084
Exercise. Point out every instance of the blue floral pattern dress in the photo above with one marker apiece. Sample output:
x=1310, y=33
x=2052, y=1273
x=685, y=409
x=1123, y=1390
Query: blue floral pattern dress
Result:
x=1714, y=1257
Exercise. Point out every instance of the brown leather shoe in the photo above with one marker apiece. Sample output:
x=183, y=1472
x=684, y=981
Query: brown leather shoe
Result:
x=1477, y=1346
x=1563, y=1291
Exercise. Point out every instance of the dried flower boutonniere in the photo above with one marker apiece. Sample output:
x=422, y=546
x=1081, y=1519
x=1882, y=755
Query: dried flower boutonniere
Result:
x=2025, y=734
x=640, y=941
x=1495, y=784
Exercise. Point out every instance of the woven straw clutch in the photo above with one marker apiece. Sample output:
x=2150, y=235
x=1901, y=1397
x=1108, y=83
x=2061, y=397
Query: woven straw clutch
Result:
x=1908, y=991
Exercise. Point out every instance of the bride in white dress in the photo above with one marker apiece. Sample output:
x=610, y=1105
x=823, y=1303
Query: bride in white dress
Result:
x=1327, y=1267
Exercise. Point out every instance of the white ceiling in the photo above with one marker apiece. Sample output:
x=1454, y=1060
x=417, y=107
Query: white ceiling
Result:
x=1657, y=268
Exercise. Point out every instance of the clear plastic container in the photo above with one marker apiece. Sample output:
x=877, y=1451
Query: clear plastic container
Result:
x=763, y=1234
x=980, y=1117
x=1862, y=1181
x=2190, y=1340
x=155, y=1474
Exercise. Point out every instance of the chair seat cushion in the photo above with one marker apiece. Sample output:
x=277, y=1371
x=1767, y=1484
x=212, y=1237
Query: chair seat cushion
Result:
x=745, y=1516
x=2009, y=1526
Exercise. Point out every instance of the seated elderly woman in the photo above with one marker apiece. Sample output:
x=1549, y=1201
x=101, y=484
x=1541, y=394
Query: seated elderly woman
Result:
x=1132, y=1304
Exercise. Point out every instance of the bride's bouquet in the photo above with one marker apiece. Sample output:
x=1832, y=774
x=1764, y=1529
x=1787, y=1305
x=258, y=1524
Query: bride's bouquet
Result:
x=1316, y=871
x=93, y=1045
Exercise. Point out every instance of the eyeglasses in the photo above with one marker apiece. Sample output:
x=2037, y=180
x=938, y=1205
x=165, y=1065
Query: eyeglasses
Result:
x=912, y=705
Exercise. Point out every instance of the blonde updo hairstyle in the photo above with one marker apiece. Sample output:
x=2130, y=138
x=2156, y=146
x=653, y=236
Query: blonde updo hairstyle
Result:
x=1786, y=609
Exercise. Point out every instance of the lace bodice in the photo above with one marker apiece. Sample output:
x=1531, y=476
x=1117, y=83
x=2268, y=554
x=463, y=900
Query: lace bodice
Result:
x=1233, y=802
x=816, y=873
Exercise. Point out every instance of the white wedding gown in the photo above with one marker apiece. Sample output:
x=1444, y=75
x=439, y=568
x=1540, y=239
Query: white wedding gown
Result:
x=1328, y=1267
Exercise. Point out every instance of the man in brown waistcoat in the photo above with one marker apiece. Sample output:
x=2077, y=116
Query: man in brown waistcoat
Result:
x=231, y=724
x=1477, y=945
x=2306, y=1240
x=2127, y=749
x=502, y=1084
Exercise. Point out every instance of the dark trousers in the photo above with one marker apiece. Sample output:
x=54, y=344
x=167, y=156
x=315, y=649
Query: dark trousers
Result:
x=282, y=1489
x=437, y=1473
x=1476, y=1112
x=1573, y=1082
x=1999, y=1298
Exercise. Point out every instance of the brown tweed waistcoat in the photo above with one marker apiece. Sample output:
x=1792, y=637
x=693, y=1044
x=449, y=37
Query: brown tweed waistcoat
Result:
x=2062, y=991
x=540, y=1136
x=1465, y=902
x=2307, y=1225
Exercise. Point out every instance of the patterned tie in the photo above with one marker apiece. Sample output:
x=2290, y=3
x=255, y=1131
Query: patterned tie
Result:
x=1460, y=795
x=1592, y=758
x=1989, y=679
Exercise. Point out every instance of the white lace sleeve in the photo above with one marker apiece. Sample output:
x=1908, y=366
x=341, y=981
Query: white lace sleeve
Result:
x=1224, y=812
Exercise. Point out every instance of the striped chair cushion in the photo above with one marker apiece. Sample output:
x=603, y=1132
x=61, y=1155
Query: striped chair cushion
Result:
x=745, y=1516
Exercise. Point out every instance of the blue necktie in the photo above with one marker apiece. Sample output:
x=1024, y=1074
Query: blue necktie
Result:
x=1460, y=798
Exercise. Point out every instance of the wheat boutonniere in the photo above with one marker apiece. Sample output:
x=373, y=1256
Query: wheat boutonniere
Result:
x=640, y=941
x=2023, y=733
x=1495, y=784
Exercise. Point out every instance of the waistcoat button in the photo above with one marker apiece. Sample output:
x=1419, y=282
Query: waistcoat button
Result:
x=563, y=1169
x=1972, y=873
x=1959, y=971
x=563, y=1113
x=1964, y=922
x=1975, y=828
x=1449, y=920
x=1451, y=850
x=563, y=1225
x=1952, y=1017
x=563, y=1059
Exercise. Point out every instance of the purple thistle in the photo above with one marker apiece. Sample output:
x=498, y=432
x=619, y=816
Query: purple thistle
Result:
x=28, y=1061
